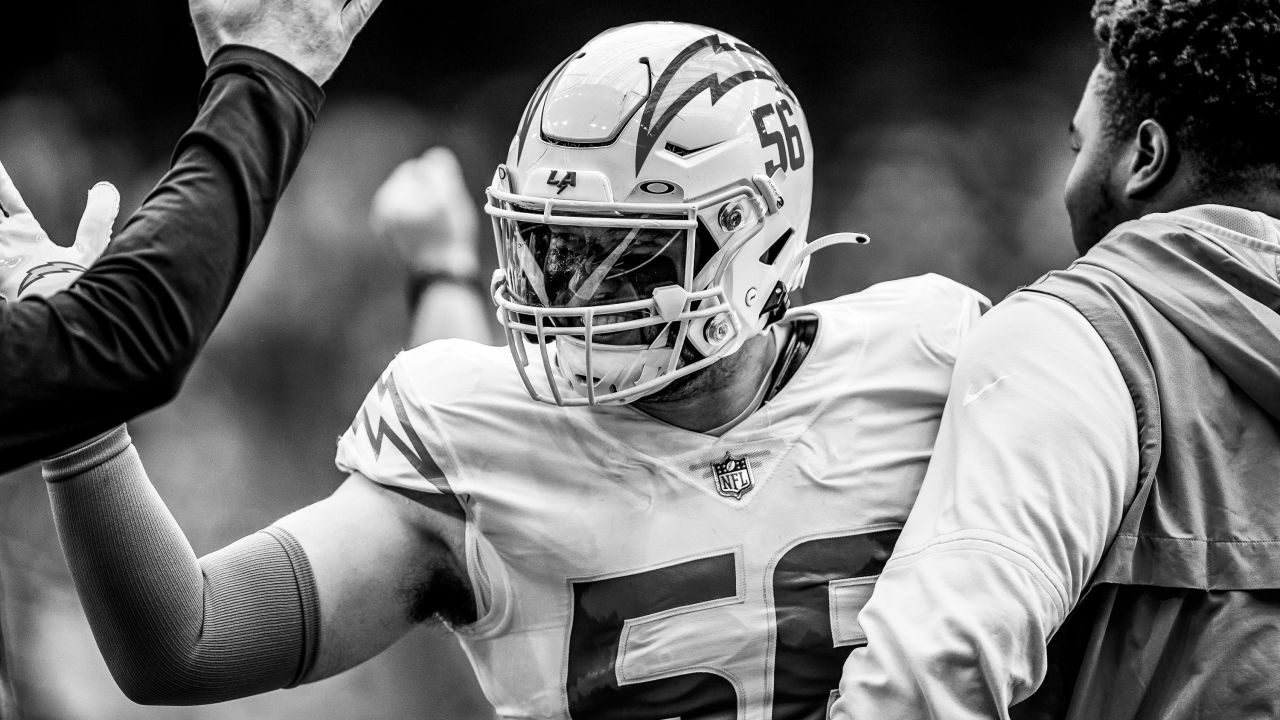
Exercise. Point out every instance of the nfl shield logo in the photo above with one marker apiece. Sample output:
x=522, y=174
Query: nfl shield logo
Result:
x=733, y=476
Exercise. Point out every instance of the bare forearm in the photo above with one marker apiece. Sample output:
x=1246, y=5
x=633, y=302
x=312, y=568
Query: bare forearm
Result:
x=174, y=629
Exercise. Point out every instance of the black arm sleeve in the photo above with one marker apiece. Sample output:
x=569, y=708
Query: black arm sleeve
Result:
x=121, y=339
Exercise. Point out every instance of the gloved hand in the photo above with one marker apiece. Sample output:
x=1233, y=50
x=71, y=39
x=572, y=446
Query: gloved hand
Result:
x=30, y=263
x=424, y=209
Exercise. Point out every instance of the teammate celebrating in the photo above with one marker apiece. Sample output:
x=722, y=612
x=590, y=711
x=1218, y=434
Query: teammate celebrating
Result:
x=673, y=505
x=424, y=210
x=74, y=364
x=1106, y=472
x=121, y=340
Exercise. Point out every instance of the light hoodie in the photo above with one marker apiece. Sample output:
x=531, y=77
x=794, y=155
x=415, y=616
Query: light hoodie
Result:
x=1109, y=458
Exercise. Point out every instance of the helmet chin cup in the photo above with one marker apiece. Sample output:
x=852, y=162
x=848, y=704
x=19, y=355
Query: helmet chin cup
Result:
x=622, y=373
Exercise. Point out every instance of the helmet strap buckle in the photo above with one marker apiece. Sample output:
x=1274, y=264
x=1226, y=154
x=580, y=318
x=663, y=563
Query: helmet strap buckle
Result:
x=777, y=305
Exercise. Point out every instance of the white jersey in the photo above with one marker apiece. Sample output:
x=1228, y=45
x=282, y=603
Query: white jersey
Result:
x=635, y=569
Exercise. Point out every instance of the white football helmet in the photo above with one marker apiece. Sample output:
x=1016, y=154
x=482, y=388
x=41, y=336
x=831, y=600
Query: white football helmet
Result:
x=651, y=215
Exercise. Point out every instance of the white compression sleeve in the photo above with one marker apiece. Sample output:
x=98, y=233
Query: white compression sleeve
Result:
x=174, y=629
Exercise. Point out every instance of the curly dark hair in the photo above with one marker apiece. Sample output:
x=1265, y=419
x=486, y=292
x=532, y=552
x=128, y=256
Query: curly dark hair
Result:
x=1208, y=70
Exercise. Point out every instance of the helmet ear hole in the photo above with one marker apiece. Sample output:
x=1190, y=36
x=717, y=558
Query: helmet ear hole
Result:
x=770, y=256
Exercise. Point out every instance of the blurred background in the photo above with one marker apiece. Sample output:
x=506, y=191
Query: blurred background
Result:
x=939, y=128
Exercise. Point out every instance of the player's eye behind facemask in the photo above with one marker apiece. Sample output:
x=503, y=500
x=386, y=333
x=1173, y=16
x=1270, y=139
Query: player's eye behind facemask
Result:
x=571, y=266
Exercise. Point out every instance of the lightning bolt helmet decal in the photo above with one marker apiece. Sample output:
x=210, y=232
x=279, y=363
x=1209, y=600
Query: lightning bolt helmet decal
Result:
x=696, y=69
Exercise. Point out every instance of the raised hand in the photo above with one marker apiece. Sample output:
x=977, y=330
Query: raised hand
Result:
x=424, y=209
x=30, y=263
x=311, y=35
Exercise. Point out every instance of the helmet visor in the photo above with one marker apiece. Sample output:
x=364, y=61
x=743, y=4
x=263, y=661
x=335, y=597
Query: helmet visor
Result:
x=571, y=266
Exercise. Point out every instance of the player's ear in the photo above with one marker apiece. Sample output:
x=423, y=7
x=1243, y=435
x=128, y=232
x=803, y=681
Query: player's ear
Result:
x=1153, y=162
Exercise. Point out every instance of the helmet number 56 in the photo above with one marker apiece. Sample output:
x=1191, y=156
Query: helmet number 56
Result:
x=788, y=143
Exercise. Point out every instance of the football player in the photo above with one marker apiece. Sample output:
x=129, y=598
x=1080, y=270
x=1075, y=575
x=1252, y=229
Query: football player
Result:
x=672, y=504
x=1106, y=471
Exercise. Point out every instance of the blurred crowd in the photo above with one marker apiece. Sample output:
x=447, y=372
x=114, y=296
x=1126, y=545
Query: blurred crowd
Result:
x=951, y=156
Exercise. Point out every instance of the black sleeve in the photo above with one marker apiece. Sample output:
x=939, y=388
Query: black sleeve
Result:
x=121, y=339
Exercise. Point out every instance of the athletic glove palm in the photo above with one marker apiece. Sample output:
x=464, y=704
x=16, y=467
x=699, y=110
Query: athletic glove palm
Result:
x=33, y=265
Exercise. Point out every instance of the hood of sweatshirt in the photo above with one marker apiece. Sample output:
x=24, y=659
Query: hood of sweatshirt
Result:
x=1214, y=272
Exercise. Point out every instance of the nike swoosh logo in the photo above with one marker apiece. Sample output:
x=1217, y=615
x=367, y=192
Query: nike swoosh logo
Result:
x=970, y=394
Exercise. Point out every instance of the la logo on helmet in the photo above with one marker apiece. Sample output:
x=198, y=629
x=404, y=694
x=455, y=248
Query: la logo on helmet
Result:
x=570, y=179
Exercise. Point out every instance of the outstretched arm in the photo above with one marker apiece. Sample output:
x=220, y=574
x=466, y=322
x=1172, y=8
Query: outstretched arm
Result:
x=120, y=341
x=318, y=592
